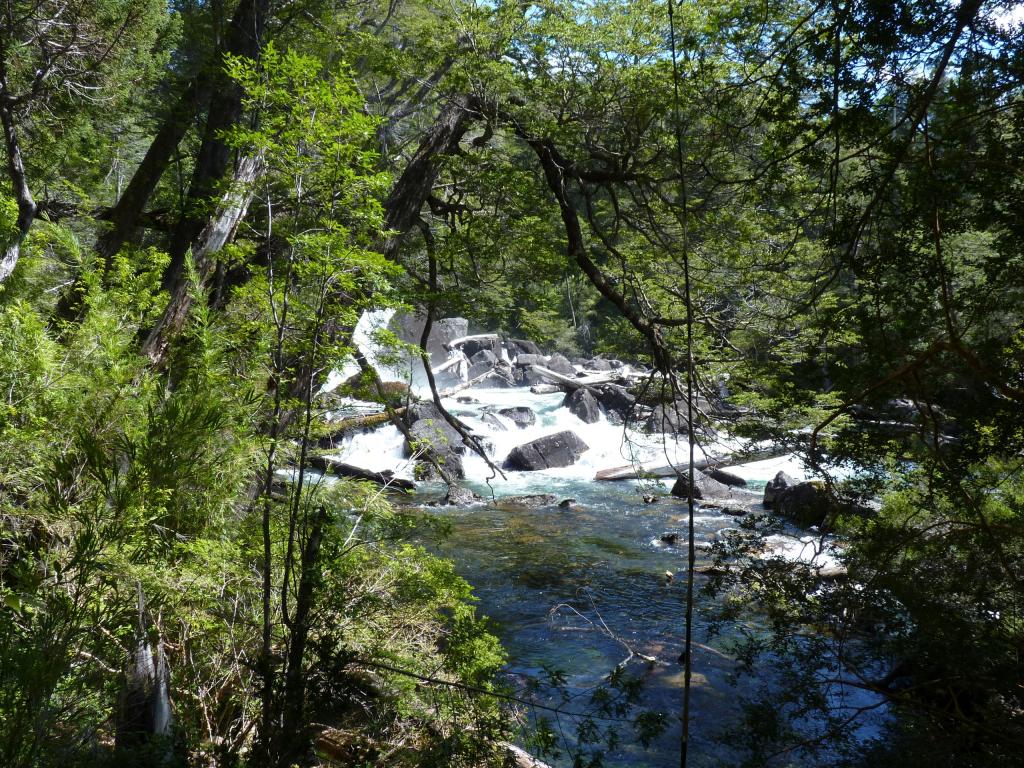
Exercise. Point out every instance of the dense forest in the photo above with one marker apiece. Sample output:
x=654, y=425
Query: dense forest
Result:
x=801, y=220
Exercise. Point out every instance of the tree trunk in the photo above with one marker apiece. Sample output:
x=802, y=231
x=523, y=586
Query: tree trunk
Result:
x=127, y=212
x=402, y=208
x=244, y=38
x=219, y=229
x=22, y=194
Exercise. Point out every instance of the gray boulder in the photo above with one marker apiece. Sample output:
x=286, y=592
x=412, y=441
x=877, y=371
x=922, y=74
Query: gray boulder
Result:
x=484, y=356
x=560, y=364
x=724, y=476
x=670, y=418
x=459, y=496
x=494, y=422
x=583, y=405
x=617, y=401
x=432, y=433
x=559, y=450
x=598, y=364
x=521, y=415
x=704, y=487
x=409, y=328
x=527, y=359
x=806, y=504
x=520, y=346
x=473, y=347
x=775, y=486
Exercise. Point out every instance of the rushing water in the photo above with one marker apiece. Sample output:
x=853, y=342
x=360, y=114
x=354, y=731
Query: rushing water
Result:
x=578, y=588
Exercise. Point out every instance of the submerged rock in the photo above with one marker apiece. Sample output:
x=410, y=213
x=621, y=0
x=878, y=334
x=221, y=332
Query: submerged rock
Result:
x=583, y=405
x=559, y=450
x=459, y=496
x=494, y=422
x=521, y=415
x=528, y=500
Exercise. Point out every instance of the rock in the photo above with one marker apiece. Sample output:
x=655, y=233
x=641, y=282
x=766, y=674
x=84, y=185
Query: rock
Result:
x=528, y=377
x=559, y=450
x=598, y=364
x=484, y=356
x=583, y=405
x=704, y=487
x=567, y=503
x=494, y=422
x=466, y=399
x=733, y=511
x=650, y=498
x=409, y=328
x=521, y=346
x=726, y=477
x=521, y=415
x=528, y=500
x=459, y=496
x=431, y=432
x=560, y=364
x=670, y=538
x=775, y=485
x=525, y=360
x=671, y=417
x=479, y=369
x=474, y=347
x=806, y=504
x=616, y=401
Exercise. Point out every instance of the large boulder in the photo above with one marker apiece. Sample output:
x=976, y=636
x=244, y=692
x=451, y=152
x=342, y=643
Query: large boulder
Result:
x=439, y=440
x=806, y=504
x=559, y=450
x=583, y=405
x=669, y=418
x=617, y=402
x=532, y=500
x=775, y=486
x=409, y=328
x=486, y=356
x=560, y=364
x=598, y=364
x=704, y=487
x=459, y=496
x=527, y=359
x=521, y=415
x=521, y=346
x=724, y=476
x=474, y=347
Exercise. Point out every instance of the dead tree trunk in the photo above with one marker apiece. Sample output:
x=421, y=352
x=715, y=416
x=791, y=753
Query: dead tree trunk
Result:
x=19, y=185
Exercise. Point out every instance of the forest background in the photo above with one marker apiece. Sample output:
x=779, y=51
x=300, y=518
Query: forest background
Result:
x=201, y=199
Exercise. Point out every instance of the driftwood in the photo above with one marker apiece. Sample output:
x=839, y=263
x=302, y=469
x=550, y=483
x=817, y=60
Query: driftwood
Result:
x=359, y=423
x=477, y=337
x=447, y=364
x=520, y=758
x=338, y=468
x=467, y=384
x=634, y=471
x=574, y=382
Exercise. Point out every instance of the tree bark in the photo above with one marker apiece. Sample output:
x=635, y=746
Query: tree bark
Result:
x=218, y=230
x=244, y=38
x=403, y=205
x=22, y=193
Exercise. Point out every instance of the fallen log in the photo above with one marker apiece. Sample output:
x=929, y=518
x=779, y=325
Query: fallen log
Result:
x=467, y=384
x=332, y=466
x=574, y=382
x=451, y=363
x=359, y=423
x=634, y=471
